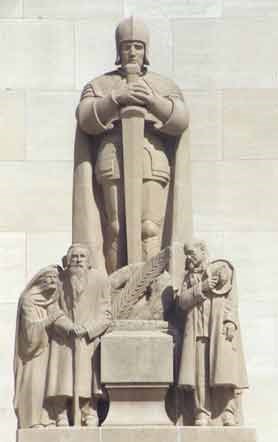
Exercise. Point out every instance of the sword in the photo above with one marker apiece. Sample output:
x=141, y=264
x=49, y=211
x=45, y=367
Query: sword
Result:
x=133, y=123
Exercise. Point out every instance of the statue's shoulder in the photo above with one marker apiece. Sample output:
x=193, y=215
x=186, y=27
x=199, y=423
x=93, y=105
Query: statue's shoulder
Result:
x=106, y=82
x=163, y=85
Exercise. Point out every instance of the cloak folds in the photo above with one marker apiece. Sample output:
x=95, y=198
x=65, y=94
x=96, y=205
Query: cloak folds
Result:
x=88, y=214
x=226, y=359
x=93, y=311
x=31, y=354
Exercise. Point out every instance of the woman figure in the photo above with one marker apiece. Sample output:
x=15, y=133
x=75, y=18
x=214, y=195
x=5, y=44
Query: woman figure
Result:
x=37, y=310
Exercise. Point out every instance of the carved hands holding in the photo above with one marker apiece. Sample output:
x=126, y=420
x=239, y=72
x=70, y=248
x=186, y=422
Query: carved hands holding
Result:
x=208, y=285
x=139, y=94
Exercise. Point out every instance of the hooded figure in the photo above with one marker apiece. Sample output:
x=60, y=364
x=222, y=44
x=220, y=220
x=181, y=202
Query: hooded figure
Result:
x=37, y=310
x=99, y=186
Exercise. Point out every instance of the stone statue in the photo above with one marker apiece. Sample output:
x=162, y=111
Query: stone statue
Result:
x=73, y=383
x=37, y=311
x=212, y=362
x=132, y=193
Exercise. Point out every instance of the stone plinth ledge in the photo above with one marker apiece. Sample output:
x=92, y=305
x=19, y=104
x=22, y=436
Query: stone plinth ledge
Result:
x=139, y=434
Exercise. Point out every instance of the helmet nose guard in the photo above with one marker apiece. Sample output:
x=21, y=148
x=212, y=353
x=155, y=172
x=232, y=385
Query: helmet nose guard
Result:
x=132, y=29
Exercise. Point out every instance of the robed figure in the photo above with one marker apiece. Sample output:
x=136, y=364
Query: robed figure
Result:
x=212, y=363
x=73, y=383
x=37, y=312
x=132, y=192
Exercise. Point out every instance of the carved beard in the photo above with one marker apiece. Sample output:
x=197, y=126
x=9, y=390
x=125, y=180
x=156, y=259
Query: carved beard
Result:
x=78, y=277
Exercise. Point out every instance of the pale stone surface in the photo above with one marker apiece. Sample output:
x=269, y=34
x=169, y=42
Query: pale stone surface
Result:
x=12, y=265
x=218, y=53
x=7, y=327
x=137, y=434
x=195, y=46
x=223, y=201
x=254, y=255
x=168, y=8
x=35, y=196
x=137, y=405
x=248, y=115
x=37, y=55
x=246, y=53
x=262, y=401
x=10, y=8
x=12, y=135
x=60, y=435
x=45, y=248
x=121, y=348
x=90, y=49
x=206, y=191
x=205, y=124
x=250, y=8
x=262, y=363
x=217, y=434
x=71, y=8
x=50, y=121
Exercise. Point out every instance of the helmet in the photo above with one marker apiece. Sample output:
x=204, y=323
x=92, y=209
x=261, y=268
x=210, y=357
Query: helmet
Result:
x=131, y=29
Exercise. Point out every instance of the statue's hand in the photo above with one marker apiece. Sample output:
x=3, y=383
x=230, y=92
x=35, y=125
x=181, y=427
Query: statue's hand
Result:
x=142, y=93
x=78, y=331
x=212, y=282
x=209, y=284
x=229, y=330
x=128, y=95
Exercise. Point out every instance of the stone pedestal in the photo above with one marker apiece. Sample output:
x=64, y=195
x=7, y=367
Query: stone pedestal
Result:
x=139, y=434
x=137, y=370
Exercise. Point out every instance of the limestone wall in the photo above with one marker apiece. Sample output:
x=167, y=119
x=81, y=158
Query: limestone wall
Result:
x=223, y=55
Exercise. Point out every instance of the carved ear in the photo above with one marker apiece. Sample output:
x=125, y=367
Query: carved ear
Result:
x=64, y=262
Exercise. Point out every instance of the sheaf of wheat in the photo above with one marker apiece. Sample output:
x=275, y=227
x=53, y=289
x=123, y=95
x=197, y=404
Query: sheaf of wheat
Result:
x=136, y=286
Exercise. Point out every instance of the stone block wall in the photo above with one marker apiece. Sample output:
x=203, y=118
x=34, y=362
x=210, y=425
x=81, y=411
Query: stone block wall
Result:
x=222, y=54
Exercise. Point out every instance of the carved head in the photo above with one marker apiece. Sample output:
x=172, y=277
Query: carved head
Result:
x=196, y=253
x=47, y=282
x=78, y=256
x=132, y=42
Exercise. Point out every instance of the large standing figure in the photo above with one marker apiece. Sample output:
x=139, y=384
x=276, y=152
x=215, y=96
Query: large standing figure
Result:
x=212, y=363
x=37, y=311
x=74, y=372
x=99, y=206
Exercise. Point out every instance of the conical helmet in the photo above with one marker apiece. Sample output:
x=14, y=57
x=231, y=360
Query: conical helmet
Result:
x=131, y=29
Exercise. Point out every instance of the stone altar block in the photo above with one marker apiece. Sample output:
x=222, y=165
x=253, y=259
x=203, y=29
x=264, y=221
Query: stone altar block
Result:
x=137, y=370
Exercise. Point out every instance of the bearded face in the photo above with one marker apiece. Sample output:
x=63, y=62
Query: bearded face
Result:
x=78, y=270
x=196, y=257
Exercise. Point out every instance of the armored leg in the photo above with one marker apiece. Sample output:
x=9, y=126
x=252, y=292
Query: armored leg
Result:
x=154, y=205
x=115, y=228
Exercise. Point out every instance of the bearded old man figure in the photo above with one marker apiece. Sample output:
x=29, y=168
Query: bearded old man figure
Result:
x=37, y=311
x=212, y=362
x=73, y=385
x=124, y=167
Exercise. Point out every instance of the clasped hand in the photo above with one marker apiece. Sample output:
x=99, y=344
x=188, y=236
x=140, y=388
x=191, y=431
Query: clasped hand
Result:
x=134, y=94
x=78, y=331
x=209, y=284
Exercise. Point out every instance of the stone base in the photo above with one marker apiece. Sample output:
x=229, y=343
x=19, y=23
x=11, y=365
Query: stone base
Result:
x=139, y=434
x=137, y=405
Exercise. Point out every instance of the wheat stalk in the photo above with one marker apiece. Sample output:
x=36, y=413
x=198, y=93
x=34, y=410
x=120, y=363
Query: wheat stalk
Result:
x=136, y=286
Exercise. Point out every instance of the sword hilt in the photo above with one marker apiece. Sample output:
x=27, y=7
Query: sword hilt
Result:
x=132, y=72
